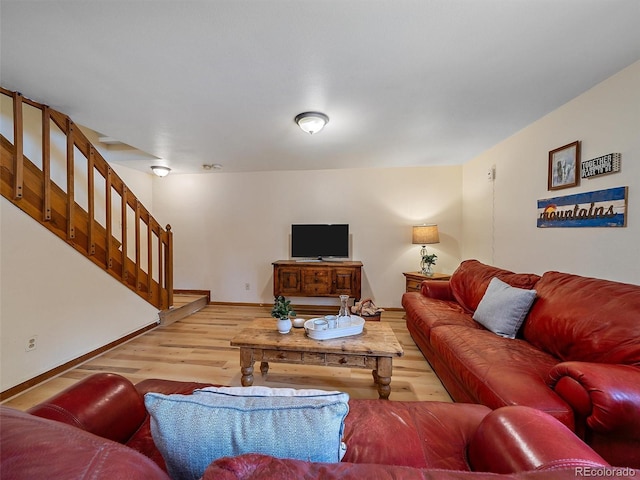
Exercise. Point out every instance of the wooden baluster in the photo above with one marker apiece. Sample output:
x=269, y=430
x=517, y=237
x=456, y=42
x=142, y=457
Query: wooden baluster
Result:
x=18, y=156
x=71, y=202
x=125, y=273
x=91, y=242
x=149, y=256
x=46, y=164
x=160, y=267
x=108, y=261
x=138, y=283
x=169, y=267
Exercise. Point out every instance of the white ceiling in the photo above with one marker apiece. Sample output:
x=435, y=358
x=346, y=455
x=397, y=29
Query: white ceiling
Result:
x=404, y=82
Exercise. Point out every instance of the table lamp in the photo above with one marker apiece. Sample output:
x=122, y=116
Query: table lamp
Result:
x=425, y=235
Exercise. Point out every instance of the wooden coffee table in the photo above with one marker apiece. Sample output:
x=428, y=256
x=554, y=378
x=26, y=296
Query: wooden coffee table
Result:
x=374, y=348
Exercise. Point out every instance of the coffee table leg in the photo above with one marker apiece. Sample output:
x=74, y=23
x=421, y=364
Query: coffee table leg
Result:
x=264, y=368
x=246, y=366
x=382, y=377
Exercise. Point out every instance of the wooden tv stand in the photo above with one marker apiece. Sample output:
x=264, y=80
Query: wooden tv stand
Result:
x=293, y=278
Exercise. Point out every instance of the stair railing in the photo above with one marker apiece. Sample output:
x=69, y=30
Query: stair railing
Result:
x=93, y=211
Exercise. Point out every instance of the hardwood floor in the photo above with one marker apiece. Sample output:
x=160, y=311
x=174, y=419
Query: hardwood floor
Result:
x=197, y=349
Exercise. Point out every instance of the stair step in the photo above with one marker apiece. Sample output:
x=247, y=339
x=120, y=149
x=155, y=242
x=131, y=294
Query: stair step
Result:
x=183, y=306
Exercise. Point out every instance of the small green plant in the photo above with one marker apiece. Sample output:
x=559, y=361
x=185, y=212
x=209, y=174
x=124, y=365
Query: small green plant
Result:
x=282, y=308
x=429, y=260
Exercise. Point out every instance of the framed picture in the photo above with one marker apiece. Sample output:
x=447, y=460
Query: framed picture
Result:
x=564, y=165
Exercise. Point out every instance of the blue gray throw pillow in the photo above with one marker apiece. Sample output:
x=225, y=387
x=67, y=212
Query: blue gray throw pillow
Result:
x=503, y=308
x=191, y=431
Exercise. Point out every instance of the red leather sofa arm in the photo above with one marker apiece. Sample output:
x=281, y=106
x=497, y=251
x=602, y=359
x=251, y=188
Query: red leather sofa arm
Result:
x=168, y=387
x=518, y=438
x=37, y=448
x=606, y=395
x=105, y=404
x=438, y=289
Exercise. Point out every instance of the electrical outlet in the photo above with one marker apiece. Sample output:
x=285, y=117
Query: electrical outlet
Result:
x=247, y=286
x=32, y=343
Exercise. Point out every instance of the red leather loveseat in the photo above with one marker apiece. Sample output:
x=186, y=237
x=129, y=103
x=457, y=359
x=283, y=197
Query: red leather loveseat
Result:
x=99, y=429
x=576, y=357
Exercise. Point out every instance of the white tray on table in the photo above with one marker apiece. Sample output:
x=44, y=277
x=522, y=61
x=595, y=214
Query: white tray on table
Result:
x=355, y=328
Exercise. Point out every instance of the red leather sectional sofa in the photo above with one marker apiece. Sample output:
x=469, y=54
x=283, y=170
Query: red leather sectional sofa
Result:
x=576, y=357
x=99, y=429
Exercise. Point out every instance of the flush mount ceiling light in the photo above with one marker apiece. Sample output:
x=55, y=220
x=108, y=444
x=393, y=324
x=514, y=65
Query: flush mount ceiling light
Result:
x=160, y=170
x=311, y=122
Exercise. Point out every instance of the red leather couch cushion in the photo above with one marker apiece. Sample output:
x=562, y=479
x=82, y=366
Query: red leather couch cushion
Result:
x=498, y=371
x=413, y=434
x=470, y=280
x=260, y=467
x=428, y=313
x=586, y=319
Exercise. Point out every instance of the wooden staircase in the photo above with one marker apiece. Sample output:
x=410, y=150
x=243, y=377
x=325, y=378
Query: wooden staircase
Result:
x=94, y=211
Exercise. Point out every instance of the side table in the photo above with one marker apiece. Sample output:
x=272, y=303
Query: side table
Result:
x=414, y=279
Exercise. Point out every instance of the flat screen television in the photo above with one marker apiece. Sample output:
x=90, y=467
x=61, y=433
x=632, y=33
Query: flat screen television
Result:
x=320, y=241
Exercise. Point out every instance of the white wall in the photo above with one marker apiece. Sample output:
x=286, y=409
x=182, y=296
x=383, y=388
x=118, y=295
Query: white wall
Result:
x=229, y=227
x=140, y=183
x=49, y=290
x=499, y=220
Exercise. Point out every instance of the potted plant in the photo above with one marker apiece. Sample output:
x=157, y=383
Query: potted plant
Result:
x=428, y=261
x=282, y=311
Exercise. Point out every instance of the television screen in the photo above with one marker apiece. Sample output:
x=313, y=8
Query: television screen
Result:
x=318, y=240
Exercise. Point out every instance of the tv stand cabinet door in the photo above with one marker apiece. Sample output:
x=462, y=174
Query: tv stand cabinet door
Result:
x=346, y=281
x=286, y=281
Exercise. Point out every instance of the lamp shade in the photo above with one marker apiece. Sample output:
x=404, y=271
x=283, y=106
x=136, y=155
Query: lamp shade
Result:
x=425, y=234
x=311, y=122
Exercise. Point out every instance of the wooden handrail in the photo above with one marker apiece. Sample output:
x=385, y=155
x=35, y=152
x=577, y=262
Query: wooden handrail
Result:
x=56, y=207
